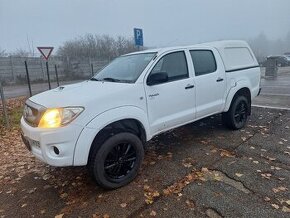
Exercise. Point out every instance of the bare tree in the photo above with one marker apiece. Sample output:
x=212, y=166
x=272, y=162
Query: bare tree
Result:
x=2, y=53
x=20, y=53
x=95, y=46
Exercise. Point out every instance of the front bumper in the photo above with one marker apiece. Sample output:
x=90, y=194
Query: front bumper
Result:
x=52, y=146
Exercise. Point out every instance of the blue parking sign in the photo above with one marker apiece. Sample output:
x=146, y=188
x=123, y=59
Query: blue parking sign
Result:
x=138, y=35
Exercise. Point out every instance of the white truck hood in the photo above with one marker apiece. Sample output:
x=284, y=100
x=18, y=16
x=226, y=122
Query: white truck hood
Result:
x=80, y=94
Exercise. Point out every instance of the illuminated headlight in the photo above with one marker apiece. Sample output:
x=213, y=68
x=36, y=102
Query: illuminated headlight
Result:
x=57, y=117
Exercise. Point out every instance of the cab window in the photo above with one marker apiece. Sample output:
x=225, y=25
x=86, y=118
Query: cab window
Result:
x=203, y=62
x=174, y=64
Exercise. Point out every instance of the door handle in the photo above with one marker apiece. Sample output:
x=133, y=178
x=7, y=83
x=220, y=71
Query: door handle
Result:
x=189, y=86
x=219, y=79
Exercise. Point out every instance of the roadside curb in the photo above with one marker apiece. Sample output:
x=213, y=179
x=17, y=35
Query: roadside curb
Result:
x=271, y=107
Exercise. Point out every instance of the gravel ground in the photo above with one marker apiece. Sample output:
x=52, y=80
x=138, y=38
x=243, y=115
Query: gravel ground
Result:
x=199, y=170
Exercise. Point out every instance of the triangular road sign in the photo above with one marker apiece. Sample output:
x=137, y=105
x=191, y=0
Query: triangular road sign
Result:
x=45, y=51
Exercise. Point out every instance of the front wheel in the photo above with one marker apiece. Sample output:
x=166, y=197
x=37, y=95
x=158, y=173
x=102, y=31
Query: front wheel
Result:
x=237, y=115
x=117, y=161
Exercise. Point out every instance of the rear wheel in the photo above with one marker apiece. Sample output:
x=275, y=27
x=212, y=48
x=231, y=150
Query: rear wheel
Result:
x=117, y=161
x=236, y=117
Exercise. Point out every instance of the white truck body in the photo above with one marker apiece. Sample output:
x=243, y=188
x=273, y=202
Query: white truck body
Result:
x=157, y=108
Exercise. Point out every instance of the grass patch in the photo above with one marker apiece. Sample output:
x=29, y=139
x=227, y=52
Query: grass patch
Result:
x=14, y=109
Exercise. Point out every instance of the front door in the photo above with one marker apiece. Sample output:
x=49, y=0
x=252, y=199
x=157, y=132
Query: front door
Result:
x=171, y=103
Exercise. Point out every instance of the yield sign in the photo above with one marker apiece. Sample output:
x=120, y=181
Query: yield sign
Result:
x=45, y=51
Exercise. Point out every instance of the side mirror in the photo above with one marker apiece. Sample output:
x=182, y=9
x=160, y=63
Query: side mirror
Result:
x=157, y=78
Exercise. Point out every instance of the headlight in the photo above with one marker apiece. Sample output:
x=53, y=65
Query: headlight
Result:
x=56, y=117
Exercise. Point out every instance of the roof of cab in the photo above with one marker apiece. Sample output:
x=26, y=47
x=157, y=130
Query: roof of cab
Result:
x=216, y=44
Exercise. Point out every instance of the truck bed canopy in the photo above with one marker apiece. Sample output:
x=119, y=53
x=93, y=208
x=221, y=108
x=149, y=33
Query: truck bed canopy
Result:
x=236, y=54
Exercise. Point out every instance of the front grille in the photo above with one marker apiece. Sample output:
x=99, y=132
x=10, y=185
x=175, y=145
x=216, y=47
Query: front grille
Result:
x=32, y=113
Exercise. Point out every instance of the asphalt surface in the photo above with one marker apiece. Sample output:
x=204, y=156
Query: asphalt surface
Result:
x=275, y=91
x=199, y=170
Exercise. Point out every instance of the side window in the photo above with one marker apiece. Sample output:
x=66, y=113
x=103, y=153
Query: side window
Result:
x=174, y=64
x=203, y=62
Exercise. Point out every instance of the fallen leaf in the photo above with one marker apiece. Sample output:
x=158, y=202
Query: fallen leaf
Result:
x=42, y=211
x=280, y=188
x=286, y=209
x=59, y=215
x=146, y=187
x=267, y=199
x=239, y=174
x=149, y=201
x=106, y=216
x=96, y=215
x=288, y=202
x=166, y=191
x=264, y=150
x=217, y=177
x=275, y=206
x=225, y=153
x=23, y=205
x=153, y=213
x=281, y=179
x=63, y=195
x=255, y=162
x=123, y=205
x=189, y=203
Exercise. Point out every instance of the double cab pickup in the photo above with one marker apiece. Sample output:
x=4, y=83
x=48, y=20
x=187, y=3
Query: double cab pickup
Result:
x=105, y=122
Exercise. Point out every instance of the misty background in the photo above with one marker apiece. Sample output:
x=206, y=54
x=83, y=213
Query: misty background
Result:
x=104, y=28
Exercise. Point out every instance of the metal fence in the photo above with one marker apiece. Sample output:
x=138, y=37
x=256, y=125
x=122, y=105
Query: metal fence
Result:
x=13, y=71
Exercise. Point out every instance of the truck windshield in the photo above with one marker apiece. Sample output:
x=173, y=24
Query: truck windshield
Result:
x=125, y=69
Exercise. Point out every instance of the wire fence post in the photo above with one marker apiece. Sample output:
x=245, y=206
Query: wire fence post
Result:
x=92, y=67
x=5, y=114
x=48, y=77
x=56, y=75
x=28, y=78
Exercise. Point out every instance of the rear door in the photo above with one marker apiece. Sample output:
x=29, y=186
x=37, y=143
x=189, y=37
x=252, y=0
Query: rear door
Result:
x=210, y=81
x=171, y=103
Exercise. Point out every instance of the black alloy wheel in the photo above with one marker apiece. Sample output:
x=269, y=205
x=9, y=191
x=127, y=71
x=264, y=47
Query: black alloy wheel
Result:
x=120, y=161
x=116, y=162
x=241, y=113
x=237, y=115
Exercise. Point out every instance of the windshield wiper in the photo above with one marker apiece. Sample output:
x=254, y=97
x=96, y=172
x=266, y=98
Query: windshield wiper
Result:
x=111, y=79
x=94, y=79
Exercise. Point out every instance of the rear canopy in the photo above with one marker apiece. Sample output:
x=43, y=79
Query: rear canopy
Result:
x=236, y=55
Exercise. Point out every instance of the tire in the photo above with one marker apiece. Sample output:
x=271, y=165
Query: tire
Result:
x=116, y=162
x=237, y=115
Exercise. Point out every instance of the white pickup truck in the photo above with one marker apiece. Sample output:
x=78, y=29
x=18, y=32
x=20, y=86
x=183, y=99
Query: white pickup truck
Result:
x=105, y=122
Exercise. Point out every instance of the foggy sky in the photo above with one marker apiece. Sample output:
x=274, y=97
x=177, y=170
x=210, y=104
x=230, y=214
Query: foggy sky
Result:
x=165, y=22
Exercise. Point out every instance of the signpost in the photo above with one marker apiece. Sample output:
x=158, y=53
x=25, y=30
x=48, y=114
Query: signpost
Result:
x=138, y=36
x=46, y=52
